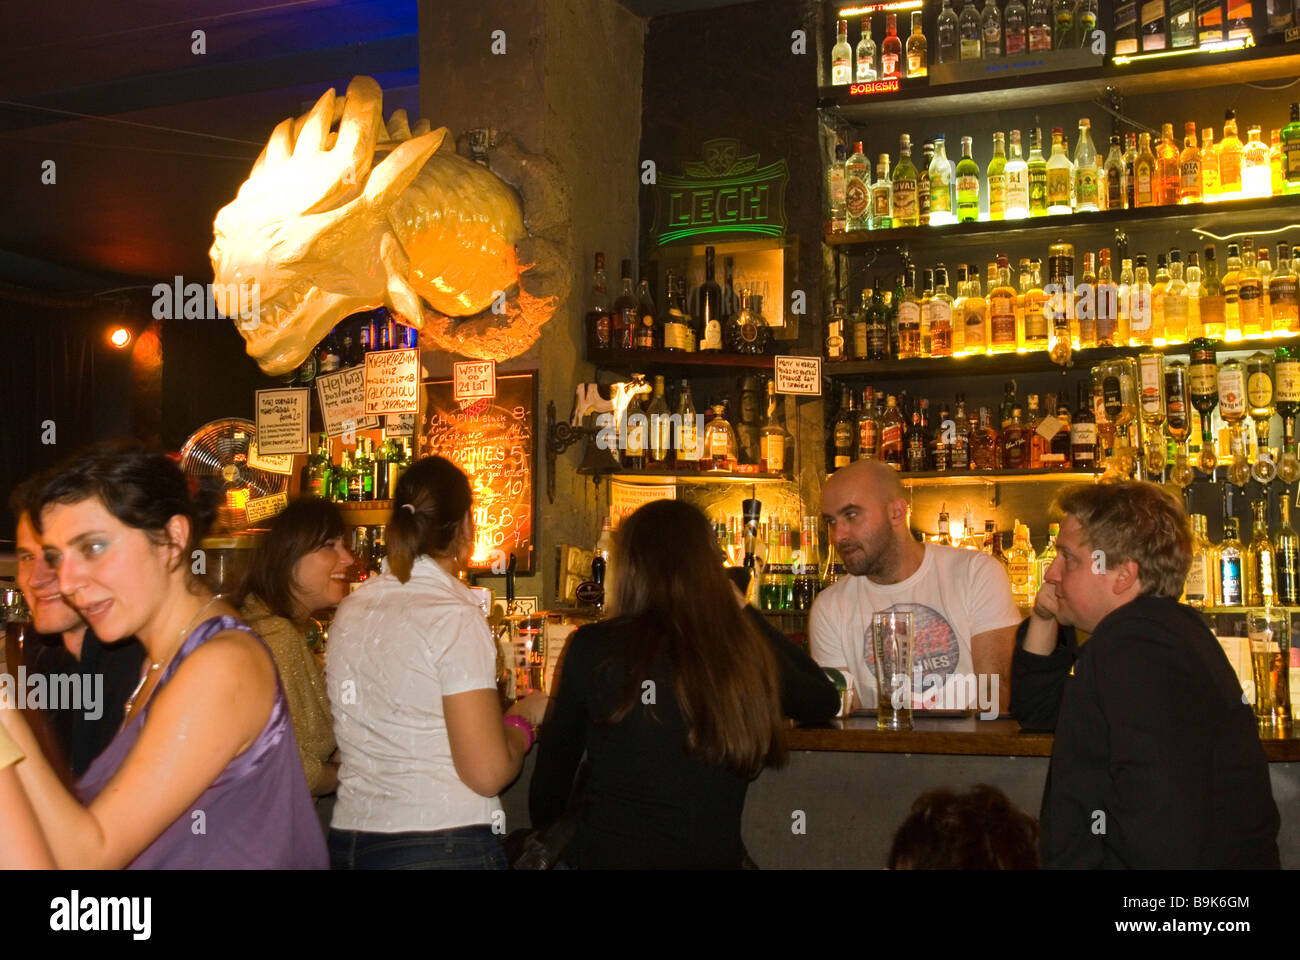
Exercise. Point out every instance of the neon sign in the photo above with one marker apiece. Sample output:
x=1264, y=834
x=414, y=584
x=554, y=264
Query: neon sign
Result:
x=874, y=86
x=724, y=193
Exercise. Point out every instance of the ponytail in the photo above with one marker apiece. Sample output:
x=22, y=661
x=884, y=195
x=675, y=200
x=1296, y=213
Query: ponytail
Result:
x=431, y=501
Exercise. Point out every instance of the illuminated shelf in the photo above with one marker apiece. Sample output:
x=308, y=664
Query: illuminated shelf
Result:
x=677, y=362
x=1270, y=59
x=1244, y=609
x=960, y=477
x=1262, y=210
x=696, y=476
x=1036, y=362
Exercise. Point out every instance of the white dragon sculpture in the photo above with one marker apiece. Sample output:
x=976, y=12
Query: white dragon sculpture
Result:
x=321, y=231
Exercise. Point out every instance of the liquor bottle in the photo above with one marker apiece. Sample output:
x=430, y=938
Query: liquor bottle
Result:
x=958, y=312
x=960, y=455
x=599, y=321
x=835, y=323
x=1282, y=294
x=909, y=318
x=1212, y=301
x=882, y=196
x=1259, y=407
x=1256, y=173
x=1250, y=292
x=1037, y=167
x=774, y=439
x=1085, y=304
x=970, y=32
x=1232, y=411
x=1058, y=176
x=1107, y=304
x=1286, y=396
x=1045, y=558
x=1239, y=20
x=1002, y=311
x=1175, y=300
x=917, y=54
x=1230, y=157
x=1130, y=170
x=1210, y=21
x=1083, y=432
x=710, y=305
x=659, y=449
x=857, y=190
x=1060, y=307
x=1194, y=325
x=690, y=445
x=996, y=177
x=983, y=449
x=637, y=430
x=940, y=448
x=1015, y=28
x=841, y=55
x=974, y=316
x=1058, y=455
x=364, y=464
x=1168, y=170
x=941, y=315
x=1063, y=25
x=1016, y=173
x=1126, y=28
x=720, y=447
x=1124, y=293
x=1158, y=286
x=1276, y=163
x=877, y=326
x=941, y=179
x=1086, y=183
x=382, y=467
x=1209, y=167
x=1196, y=588
x=1286, y=557
x=1203, y=391
x=1153, y=31
x=992, y=542
x=868, y=428
x=1146, y=175
x=916, y=443
x=1040, y=26
x=991, y=27
x=856, y=345
x=1291, y=151
x=1231, y=565
x=677, y=332
x=1265, y=269
x=1261, y=578
x=1178, y=421
x=627, y=312
x=1014, y=443
x=947, y=47
x=891, y=50
x=1189, y=168
x=1141, y=314
x=836, y=185
x=352, y=475
x=1182, y=24
x=923, y=185
x=891, y=434
x=1231, y=279
x=945, y=536
x=865, y=56
x=315, y=480
x=1085, y=23
x=1113, y=176
x=648, y=337
x=1021, y=568
x=927, y=298
x=968, y=183
x=904, y=212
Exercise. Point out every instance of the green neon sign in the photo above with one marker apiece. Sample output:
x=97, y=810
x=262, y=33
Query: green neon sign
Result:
x=724, y=193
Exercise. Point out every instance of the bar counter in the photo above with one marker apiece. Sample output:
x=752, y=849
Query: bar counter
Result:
x=848, y=786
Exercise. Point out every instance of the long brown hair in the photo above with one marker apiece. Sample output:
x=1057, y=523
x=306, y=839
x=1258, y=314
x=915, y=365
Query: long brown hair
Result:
x=302, y=527
x=430, y=501
x=668, y=578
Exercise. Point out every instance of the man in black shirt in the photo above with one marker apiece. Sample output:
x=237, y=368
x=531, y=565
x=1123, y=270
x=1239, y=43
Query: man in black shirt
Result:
x=87, y=683
x=1156, y=760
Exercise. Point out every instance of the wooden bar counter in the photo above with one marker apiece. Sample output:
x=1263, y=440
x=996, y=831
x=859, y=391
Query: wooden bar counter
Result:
x=848, y=786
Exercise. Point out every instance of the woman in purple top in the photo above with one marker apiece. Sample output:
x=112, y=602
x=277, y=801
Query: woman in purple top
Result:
x=205, y=771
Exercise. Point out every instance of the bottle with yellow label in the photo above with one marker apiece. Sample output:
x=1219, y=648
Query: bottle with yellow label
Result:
x=1231, y=278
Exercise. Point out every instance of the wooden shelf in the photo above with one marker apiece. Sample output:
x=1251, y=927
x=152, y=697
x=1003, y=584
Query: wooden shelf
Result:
x=1263, y=210
x=677, y=362
x=697, y=476
x=933, y=479
x=1271, y=59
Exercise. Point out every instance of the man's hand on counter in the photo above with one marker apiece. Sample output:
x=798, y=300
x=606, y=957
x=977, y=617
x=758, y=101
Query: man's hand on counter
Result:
x=1040, y=638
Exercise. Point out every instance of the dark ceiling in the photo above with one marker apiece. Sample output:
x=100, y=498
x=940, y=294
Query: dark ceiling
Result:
x=149, y=138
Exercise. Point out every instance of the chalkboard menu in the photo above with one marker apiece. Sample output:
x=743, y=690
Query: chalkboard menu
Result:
x=495, y=442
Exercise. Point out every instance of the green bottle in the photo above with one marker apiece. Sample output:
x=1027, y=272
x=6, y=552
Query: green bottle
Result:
x=997, y=179
x=1037, y=175
x=365, y=467
x=342, y=476
x=1291, y=151
x=968, y=185
x=906, y=211
x=320, y=471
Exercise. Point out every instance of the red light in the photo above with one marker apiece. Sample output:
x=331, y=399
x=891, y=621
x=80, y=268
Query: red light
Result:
x=875, y=86
x=120, y=337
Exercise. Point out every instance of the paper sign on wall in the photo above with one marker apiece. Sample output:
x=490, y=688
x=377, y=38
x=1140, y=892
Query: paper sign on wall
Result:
x=473, y=380
x=400, y=424
x=282, y=421
x=625, y=498
x=392, y=381
x=273, y=463
x=343, y=400
x=264, y=508
x=799, y=375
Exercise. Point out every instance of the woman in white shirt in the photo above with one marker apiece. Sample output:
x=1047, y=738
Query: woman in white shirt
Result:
x=423, y=747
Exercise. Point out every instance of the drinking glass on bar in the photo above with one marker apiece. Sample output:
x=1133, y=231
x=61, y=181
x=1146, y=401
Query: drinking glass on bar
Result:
x=891, y=640
x=1270, y=658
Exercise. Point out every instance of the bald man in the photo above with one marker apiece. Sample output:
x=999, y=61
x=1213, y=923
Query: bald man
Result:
x=962, y=609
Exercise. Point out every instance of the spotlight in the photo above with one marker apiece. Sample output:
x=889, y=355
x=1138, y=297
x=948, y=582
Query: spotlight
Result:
x=119, y=337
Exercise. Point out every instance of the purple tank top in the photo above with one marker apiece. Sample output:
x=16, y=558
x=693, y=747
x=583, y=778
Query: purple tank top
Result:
x=258, y=813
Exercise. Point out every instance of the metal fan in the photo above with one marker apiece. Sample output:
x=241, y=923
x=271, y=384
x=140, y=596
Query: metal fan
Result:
x=216, y=456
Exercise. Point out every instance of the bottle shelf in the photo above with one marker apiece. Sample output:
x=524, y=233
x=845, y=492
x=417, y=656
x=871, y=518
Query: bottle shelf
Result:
x=960, y=477
x=1271, y=58
x=1263, y=209
x=1008, y=363
x=680, y=363
x=697, y=476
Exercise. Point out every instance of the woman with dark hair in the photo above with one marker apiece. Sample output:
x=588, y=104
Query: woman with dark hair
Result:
x=980, y=829
x=204, y=772
x=300, y=567
x=412, y=683
x=677, y=701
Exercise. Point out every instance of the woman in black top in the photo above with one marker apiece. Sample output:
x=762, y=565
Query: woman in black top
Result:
x=677, y=701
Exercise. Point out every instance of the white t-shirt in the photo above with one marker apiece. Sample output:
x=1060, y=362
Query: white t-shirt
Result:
x=395, y=650
x=954, y=595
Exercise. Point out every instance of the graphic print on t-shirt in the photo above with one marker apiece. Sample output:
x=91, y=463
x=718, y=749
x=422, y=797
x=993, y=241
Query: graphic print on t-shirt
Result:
x=935, y=648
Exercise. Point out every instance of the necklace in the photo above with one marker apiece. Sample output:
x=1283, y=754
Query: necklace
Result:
x=130, y=701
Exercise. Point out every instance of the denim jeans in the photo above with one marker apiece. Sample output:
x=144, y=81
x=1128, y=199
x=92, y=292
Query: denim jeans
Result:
x=460, y=848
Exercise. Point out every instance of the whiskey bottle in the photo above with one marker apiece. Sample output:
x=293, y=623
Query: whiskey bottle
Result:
x=1083, y=433
x=774, y=439
x=844, y=431
x=891, y=434
x=1231, y=565
x=599, y=321
x=1286, y=556
x=1261, y=582
x=1196, y=588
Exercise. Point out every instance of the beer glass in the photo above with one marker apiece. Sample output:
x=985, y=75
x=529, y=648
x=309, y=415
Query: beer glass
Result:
x=1270, y=657
x=891, y=640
